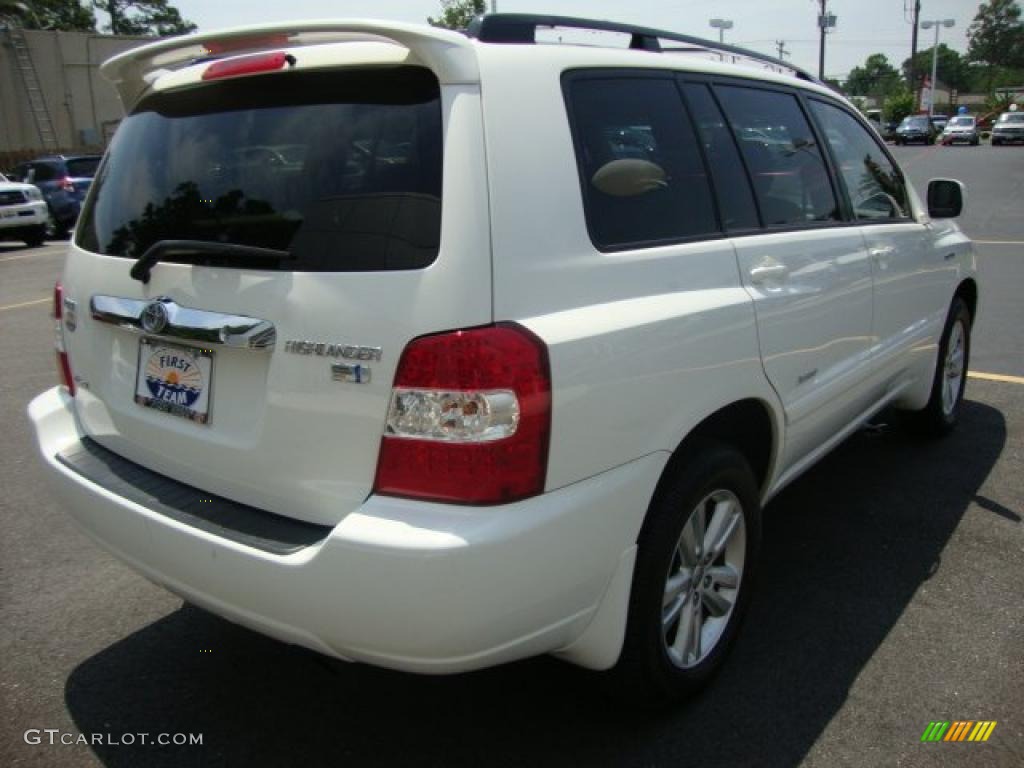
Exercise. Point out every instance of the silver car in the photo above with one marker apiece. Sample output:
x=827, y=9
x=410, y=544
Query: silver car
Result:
x=1008, y=128
x=961, y=128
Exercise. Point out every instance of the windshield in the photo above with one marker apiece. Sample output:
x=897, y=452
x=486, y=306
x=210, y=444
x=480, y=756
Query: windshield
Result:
x=1012, y=117
x=915, y=122
x=962, y=121
x=341, y=170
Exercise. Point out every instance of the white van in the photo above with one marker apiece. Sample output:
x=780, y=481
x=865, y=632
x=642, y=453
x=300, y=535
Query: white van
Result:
x=436, y=350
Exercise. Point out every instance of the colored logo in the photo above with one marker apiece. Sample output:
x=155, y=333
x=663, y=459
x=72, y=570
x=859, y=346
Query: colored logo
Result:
x=959, y=730
x=174, y=377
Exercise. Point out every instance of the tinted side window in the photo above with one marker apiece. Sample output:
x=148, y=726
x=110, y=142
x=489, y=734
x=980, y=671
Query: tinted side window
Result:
x=785, y=162
x=872, y=182
x=735, y=198
x=641, y=171
x=44, y=172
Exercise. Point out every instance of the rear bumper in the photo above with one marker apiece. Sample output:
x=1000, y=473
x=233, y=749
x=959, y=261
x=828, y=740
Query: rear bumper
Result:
x=403, y=584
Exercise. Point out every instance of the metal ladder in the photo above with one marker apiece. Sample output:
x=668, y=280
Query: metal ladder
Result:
x=29, y=76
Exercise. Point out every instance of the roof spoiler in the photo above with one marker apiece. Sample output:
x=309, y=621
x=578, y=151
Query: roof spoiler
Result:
x=449, y=54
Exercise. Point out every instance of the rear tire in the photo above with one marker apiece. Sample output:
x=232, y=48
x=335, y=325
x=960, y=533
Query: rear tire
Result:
x=695, y=567
x=942, y=413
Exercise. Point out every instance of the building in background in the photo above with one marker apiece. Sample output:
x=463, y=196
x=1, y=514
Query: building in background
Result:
x=52, y=96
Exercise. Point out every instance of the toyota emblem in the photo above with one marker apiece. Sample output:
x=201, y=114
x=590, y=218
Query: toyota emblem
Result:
x=154, y=317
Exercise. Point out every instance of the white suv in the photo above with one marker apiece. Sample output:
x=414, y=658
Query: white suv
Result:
x=23, y=213
x=435, y=351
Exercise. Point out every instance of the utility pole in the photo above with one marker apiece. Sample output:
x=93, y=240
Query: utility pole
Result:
x=913, y=50
x=780, y=45
x=826, y=21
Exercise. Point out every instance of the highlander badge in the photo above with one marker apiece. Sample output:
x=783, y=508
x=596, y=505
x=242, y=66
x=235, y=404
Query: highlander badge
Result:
x=323, y=349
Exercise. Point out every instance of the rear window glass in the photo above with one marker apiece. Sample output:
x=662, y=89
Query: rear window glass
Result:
x=340, y=170
x=82, y=167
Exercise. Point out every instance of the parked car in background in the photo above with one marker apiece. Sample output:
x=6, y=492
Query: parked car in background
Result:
x=1008, y=129
x=889, y=130
x=63, y=182
x=916, y=128
x=940, y=122
x=963, y=129
x=22, y=213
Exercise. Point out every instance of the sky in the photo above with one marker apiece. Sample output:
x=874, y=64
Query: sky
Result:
x=863, y=27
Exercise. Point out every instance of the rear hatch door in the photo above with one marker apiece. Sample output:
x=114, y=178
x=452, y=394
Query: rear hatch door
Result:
x=298, y=241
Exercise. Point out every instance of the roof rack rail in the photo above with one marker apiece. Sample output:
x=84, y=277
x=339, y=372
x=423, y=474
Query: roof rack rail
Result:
x=522, y=28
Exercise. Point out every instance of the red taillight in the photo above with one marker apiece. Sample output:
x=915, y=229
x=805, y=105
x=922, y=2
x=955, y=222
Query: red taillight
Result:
x=247, y=65
x=469, y=419
x=63, y=363
x=66, y=184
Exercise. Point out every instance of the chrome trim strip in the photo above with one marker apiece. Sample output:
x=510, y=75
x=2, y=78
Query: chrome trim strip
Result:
x=187, y=324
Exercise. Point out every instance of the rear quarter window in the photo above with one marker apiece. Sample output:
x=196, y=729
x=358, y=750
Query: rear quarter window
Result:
x=341, y=170
x=642, y=176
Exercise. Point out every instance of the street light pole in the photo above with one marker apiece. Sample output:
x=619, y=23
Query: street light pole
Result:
x=937, y=23
x=721, y=25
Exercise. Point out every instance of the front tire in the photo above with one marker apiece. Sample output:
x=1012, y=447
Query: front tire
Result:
x=36, y=238
x=695, y=566
x=942, y=413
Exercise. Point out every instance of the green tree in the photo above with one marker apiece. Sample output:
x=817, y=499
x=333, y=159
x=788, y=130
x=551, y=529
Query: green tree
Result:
x=996, y=37
x=877, y=78
x=899, y=105
x=143, y=17
x=48, y=14
x=456, y=14
x=951, y=68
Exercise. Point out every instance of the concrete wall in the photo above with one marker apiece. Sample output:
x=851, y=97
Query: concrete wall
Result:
x=83, y=106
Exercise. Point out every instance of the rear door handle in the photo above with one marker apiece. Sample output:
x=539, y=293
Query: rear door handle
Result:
x=769, y=272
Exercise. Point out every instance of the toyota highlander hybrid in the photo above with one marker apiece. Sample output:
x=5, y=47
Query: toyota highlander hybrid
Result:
x=435, y=350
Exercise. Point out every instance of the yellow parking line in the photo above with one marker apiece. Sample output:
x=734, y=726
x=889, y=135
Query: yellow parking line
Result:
x=25, y=304
x=995, y=377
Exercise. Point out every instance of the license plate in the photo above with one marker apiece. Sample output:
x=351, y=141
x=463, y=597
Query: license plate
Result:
x=175, y=379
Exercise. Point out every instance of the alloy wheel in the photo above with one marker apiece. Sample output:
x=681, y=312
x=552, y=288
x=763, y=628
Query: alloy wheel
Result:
x=704, y=578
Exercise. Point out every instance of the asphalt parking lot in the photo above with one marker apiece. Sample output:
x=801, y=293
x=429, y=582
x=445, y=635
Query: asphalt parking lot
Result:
x=890, y=596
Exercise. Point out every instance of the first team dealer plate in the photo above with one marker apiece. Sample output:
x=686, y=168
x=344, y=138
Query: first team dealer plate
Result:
x=175, y=379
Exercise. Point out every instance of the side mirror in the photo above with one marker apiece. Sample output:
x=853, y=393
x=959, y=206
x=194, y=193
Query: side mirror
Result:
x=945, y=198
